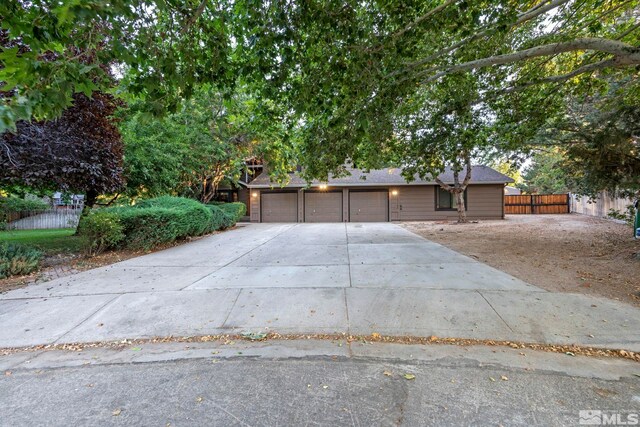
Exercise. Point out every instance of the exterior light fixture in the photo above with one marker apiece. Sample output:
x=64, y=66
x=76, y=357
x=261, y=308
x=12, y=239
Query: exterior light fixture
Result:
x=394, y=192
x=323, y=186
x=254, y=194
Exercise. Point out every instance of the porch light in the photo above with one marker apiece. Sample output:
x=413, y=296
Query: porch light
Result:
x=323, y=186
x=254, y=194
x=394, y=192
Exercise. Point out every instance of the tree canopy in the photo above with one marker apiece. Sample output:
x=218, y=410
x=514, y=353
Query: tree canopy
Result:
x=54, y=49
x=354, y=71
x=421, y=84
x=190, y=152
x=80, y=152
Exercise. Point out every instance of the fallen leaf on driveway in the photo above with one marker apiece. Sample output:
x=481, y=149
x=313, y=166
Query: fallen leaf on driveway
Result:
x=199, y=399
x=504, y=378
x=492, y=379
x=116, y=412
x=409, y=377
x=136, y=349
x=387, y=373
x=375, y=335
x=254, y=336
x=7, y=373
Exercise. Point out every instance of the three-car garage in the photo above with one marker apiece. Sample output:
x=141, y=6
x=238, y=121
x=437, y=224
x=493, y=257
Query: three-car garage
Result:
x=324, y=206
x=379, y=195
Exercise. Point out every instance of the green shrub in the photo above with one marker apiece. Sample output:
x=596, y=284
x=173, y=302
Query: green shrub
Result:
x=229, y=214
x=15, y=204
x=627, y=216
x=236, y=209
x=155, y=221
x=219, y=219
x=161, y=220
x=18, y=260
x=102, y=231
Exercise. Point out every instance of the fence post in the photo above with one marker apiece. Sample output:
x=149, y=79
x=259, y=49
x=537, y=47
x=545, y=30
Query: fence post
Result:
x=568, y=203
x=533, y=210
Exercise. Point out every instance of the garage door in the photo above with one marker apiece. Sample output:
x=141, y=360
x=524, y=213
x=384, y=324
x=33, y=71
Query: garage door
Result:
x=279, y=207
x=368, y=206
x=416, y=203
x=323, y=207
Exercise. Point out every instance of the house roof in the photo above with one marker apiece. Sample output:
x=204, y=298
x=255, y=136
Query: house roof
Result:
x=382, y=177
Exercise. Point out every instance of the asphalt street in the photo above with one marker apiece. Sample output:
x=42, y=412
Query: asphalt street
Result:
x=311, y=383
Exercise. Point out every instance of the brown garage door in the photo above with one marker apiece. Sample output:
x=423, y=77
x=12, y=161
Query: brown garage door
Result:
x=416, y=203
x=279, y=207
x=368, y=206
x=323, y=207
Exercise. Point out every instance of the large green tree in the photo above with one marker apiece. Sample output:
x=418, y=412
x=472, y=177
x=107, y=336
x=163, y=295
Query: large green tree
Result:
x=191, y=151
x=431, y=84
x=593, y=146
x=347, y=74
x=79, y=152
x=51, y=50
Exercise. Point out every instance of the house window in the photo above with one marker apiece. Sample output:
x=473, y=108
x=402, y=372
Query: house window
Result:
x=447, y=201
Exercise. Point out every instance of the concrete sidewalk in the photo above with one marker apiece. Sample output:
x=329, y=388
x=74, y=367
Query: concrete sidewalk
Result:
x=309, y=278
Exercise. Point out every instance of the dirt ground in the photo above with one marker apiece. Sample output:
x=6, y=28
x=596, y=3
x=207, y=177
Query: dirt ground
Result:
x=560, y=253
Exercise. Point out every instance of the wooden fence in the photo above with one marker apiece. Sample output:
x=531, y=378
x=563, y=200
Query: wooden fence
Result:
x=601, y=206
x=40, y=220
x=537, y=204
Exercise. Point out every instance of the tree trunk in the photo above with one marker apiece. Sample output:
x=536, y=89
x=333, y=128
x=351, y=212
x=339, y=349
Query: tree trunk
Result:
x=462, y=211
x=458, y=188
x=91, y=198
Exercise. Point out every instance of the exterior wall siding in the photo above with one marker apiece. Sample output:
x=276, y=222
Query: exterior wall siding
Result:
x=254, y=201
x=243, y=196
x=415, y=203
x=484, y=201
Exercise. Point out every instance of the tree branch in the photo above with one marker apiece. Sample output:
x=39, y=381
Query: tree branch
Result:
x=624, y=54
x=195, y=16
x=422, y=19
x=467, y=177
x=589, y=68
x=522, y=18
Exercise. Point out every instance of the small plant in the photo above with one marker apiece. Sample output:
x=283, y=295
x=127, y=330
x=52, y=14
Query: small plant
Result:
x=102, y=231
x=18, y=260
x=627, y=216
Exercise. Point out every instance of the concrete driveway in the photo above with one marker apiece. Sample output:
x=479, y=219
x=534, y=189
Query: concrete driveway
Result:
x=308, y=278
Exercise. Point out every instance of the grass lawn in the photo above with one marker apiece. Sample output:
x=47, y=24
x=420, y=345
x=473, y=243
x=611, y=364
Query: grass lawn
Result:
x=55, y=241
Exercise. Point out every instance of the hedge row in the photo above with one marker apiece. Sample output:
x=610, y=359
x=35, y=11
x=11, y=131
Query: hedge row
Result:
x=236, y=210
x=155, y=221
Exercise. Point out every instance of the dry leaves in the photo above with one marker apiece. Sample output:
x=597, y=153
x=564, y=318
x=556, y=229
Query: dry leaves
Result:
x=229, y=340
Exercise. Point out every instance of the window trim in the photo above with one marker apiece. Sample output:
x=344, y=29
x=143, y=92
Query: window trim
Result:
x=437, y=199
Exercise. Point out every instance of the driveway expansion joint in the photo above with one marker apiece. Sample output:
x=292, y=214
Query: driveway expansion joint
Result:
x=96, y=311
x=496, y=312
